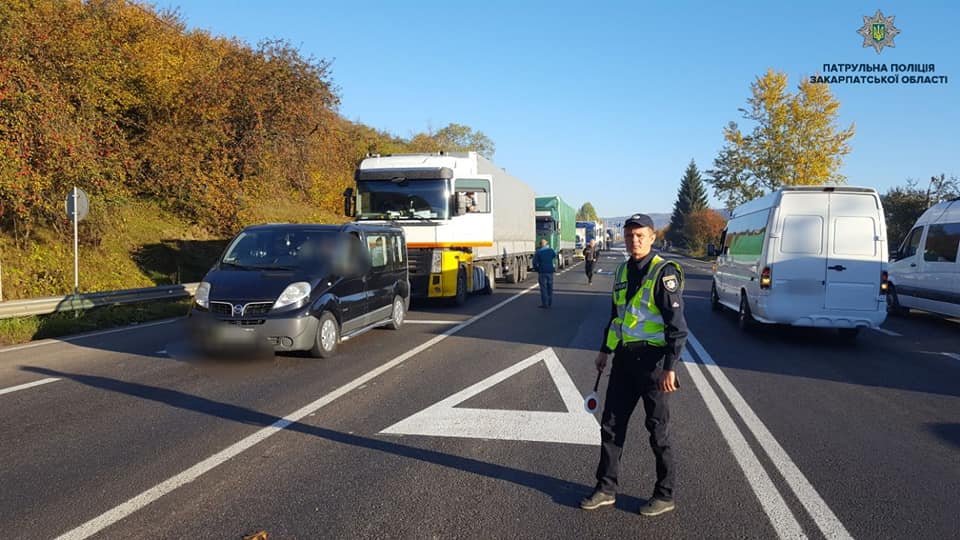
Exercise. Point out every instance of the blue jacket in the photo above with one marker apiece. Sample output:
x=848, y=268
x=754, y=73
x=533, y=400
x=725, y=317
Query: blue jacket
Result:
x=543, y=260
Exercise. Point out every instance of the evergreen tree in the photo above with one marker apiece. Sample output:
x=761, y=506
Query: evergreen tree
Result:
x=691, y=197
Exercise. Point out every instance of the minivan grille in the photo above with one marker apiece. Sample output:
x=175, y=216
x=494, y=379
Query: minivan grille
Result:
x=253, y=309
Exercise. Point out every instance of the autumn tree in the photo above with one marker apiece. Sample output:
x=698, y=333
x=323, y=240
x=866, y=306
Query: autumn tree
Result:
x=691, y=197
x=794, y=141
x=702, y=226
x=453, y=138
x=587, y=213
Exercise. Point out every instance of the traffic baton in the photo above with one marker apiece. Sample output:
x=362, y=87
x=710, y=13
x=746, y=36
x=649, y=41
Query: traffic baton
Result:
x=592, y=402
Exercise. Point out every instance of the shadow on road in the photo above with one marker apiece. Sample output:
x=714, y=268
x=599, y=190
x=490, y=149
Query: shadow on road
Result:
x=949, y=432
x=561, y=491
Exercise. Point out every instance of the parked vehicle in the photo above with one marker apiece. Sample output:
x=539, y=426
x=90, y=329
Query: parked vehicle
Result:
x=805, y=256
x=467, y=221
x=556, y=221
x=925, y=270
x=302, y=287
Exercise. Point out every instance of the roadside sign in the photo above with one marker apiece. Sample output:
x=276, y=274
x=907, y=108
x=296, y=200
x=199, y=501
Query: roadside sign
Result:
x=82, y=204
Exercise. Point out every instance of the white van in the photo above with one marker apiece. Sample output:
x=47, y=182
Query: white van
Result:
x=925, y=271
x=805, y=256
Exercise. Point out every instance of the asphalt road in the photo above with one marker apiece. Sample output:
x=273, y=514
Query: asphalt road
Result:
x=468, y=423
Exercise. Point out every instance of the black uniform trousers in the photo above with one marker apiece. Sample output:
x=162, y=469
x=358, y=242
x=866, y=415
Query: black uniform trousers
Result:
x=588, y=266
x=635, y=376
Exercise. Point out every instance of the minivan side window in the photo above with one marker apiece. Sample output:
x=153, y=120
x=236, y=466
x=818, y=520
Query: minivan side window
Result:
x=911, y=243
x=942, y=242
x=378, y=250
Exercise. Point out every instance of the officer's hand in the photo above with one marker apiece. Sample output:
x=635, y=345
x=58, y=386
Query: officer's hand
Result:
x=668, y=381
x=601, y=361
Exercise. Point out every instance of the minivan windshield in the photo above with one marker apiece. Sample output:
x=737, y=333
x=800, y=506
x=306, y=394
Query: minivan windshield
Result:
x=282, y=249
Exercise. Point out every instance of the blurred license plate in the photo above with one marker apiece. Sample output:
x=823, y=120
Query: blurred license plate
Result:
x=229, y=334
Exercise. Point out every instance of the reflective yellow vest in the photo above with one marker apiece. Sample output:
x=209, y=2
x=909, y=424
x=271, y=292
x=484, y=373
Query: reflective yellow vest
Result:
x=640, y=320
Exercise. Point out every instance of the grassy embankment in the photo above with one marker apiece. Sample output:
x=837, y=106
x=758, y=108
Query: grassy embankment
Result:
x=126, y=245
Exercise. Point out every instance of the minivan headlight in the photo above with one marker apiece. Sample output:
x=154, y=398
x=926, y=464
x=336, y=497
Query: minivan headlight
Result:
x=436, y=262
x=295, y=294
x=202, y=296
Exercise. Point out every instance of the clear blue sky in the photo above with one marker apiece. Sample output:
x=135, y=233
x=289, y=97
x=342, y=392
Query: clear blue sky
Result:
x=607, y=102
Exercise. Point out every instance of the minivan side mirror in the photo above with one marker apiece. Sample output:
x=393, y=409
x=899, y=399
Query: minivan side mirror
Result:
x=896, y=255
x=711, y=250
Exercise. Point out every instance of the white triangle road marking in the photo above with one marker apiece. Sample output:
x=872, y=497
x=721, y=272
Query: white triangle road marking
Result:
x=444, y=419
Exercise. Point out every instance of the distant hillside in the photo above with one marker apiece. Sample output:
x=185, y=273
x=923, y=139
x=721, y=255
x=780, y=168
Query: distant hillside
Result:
x=660, y=220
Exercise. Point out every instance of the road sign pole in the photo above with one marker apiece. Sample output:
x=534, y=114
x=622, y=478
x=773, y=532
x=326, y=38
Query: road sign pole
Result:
x=76, y=258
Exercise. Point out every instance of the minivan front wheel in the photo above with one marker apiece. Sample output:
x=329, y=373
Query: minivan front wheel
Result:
x=328, y=337
x=714, y=297
x=399, y=312
x=893, y=302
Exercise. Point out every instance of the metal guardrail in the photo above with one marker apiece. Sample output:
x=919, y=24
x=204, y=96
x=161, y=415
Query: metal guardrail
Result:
x=54, y=304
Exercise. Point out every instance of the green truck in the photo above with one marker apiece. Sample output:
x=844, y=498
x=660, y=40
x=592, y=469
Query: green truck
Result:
x=556, y=221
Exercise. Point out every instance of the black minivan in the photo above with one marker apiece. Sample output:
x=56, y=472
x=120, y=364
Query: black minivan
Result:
x=302, y=287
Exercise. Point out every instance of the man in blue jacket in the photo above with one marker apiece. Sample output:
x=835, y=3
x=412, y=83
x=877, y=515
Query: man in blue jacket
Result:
x=543, y=265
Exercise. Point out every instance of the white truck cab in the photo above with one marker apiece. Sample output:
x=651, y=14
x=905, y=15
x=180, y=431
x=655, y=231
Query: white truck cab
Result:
x=805, y=256
x=925, y=270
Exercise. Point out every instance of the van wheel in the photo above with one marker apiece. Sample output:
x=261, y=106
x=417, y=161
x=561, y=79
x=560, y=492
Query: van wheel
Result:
x=893, y=303
x=398, y=314
x=461, y=297
x=848, y=334
x=714, y=298
x=745, y=319
x=328, y=337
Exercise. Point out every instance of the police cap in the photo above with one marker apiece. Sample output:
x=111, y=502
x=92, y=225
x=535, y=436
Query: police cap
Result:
x=639, y=220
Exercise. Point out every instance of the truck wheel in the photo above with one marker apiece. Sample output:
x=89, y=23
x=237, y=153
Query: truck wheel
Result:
x=327, y=338
x=461, y=297
x=522, y=265
x=398, y=314
x=490, y=285
x=745, y=319
x=513, y=271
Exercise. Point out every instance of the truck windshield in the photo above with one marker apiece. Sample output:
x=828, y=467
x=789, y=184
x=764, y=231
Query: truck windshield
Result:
x=546, y=226
x=409, y=199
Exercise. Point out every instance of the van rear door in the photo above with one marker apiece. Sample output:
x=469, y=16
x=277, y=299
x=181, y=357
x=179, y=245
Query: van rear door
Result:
x=798, y=267
x=854, y=256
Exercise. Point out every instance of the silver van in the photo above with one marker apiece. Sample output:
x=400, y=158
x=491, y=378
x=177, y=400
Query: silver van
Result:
x=925, y=270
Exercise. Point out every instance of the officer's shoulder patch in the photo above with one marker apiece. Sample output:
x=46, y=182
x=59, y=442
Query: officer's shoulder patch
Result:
x=671, y=283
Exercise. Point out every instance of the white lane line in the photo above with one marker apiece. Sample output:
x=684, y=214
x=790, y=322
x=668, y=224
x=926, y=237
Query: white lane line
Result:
x=887, y=332
x=953, y=355
x=121, y=511
x=412, y=321
x=826, y=520
x=27, y=385
x=86, y=335
x=774, y=506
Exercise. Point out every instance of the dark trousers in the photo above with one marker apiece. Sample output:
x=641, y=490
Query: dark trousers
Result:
x=545, y=279
x=634, y=377
x=588, y=266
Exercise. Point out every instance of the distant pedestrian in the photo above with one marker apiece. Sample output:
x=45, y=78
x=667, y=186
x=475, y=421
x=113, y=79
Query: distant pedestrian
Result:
x=590, y=256
x=646, y=332
x=543, y=265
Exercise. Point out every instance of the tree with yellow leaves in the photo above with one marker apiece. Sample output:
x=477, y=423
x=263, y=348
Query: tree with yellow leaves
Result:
x=795, y=141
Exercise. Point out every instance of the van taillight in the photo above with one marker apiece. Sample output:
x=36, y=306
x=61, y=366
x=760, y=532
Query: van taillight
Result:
x=765, y=278
x=884, y=287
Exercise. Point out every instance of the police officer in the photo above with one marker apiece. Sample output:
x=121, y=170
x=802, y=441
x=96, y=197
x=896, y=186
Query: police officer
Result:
x=646, y=333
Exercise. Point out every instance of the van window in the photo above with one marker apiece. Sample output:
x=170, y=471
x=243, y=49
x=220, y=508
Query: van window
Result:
x=942, y=242
x=802, y=235
x=854, y=236
x=397, y=253
x=378, y=250
x=745, y=237
x=911, y=243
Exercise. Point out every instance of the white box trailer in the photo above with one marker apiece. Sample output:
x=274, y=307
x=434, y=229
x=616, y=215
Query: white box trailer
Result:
x=805, y=256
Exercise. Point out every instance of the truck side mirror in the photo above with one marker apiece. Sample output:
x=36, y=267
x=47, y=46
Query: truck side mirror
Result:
x=711, y=250
x=348, y=206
